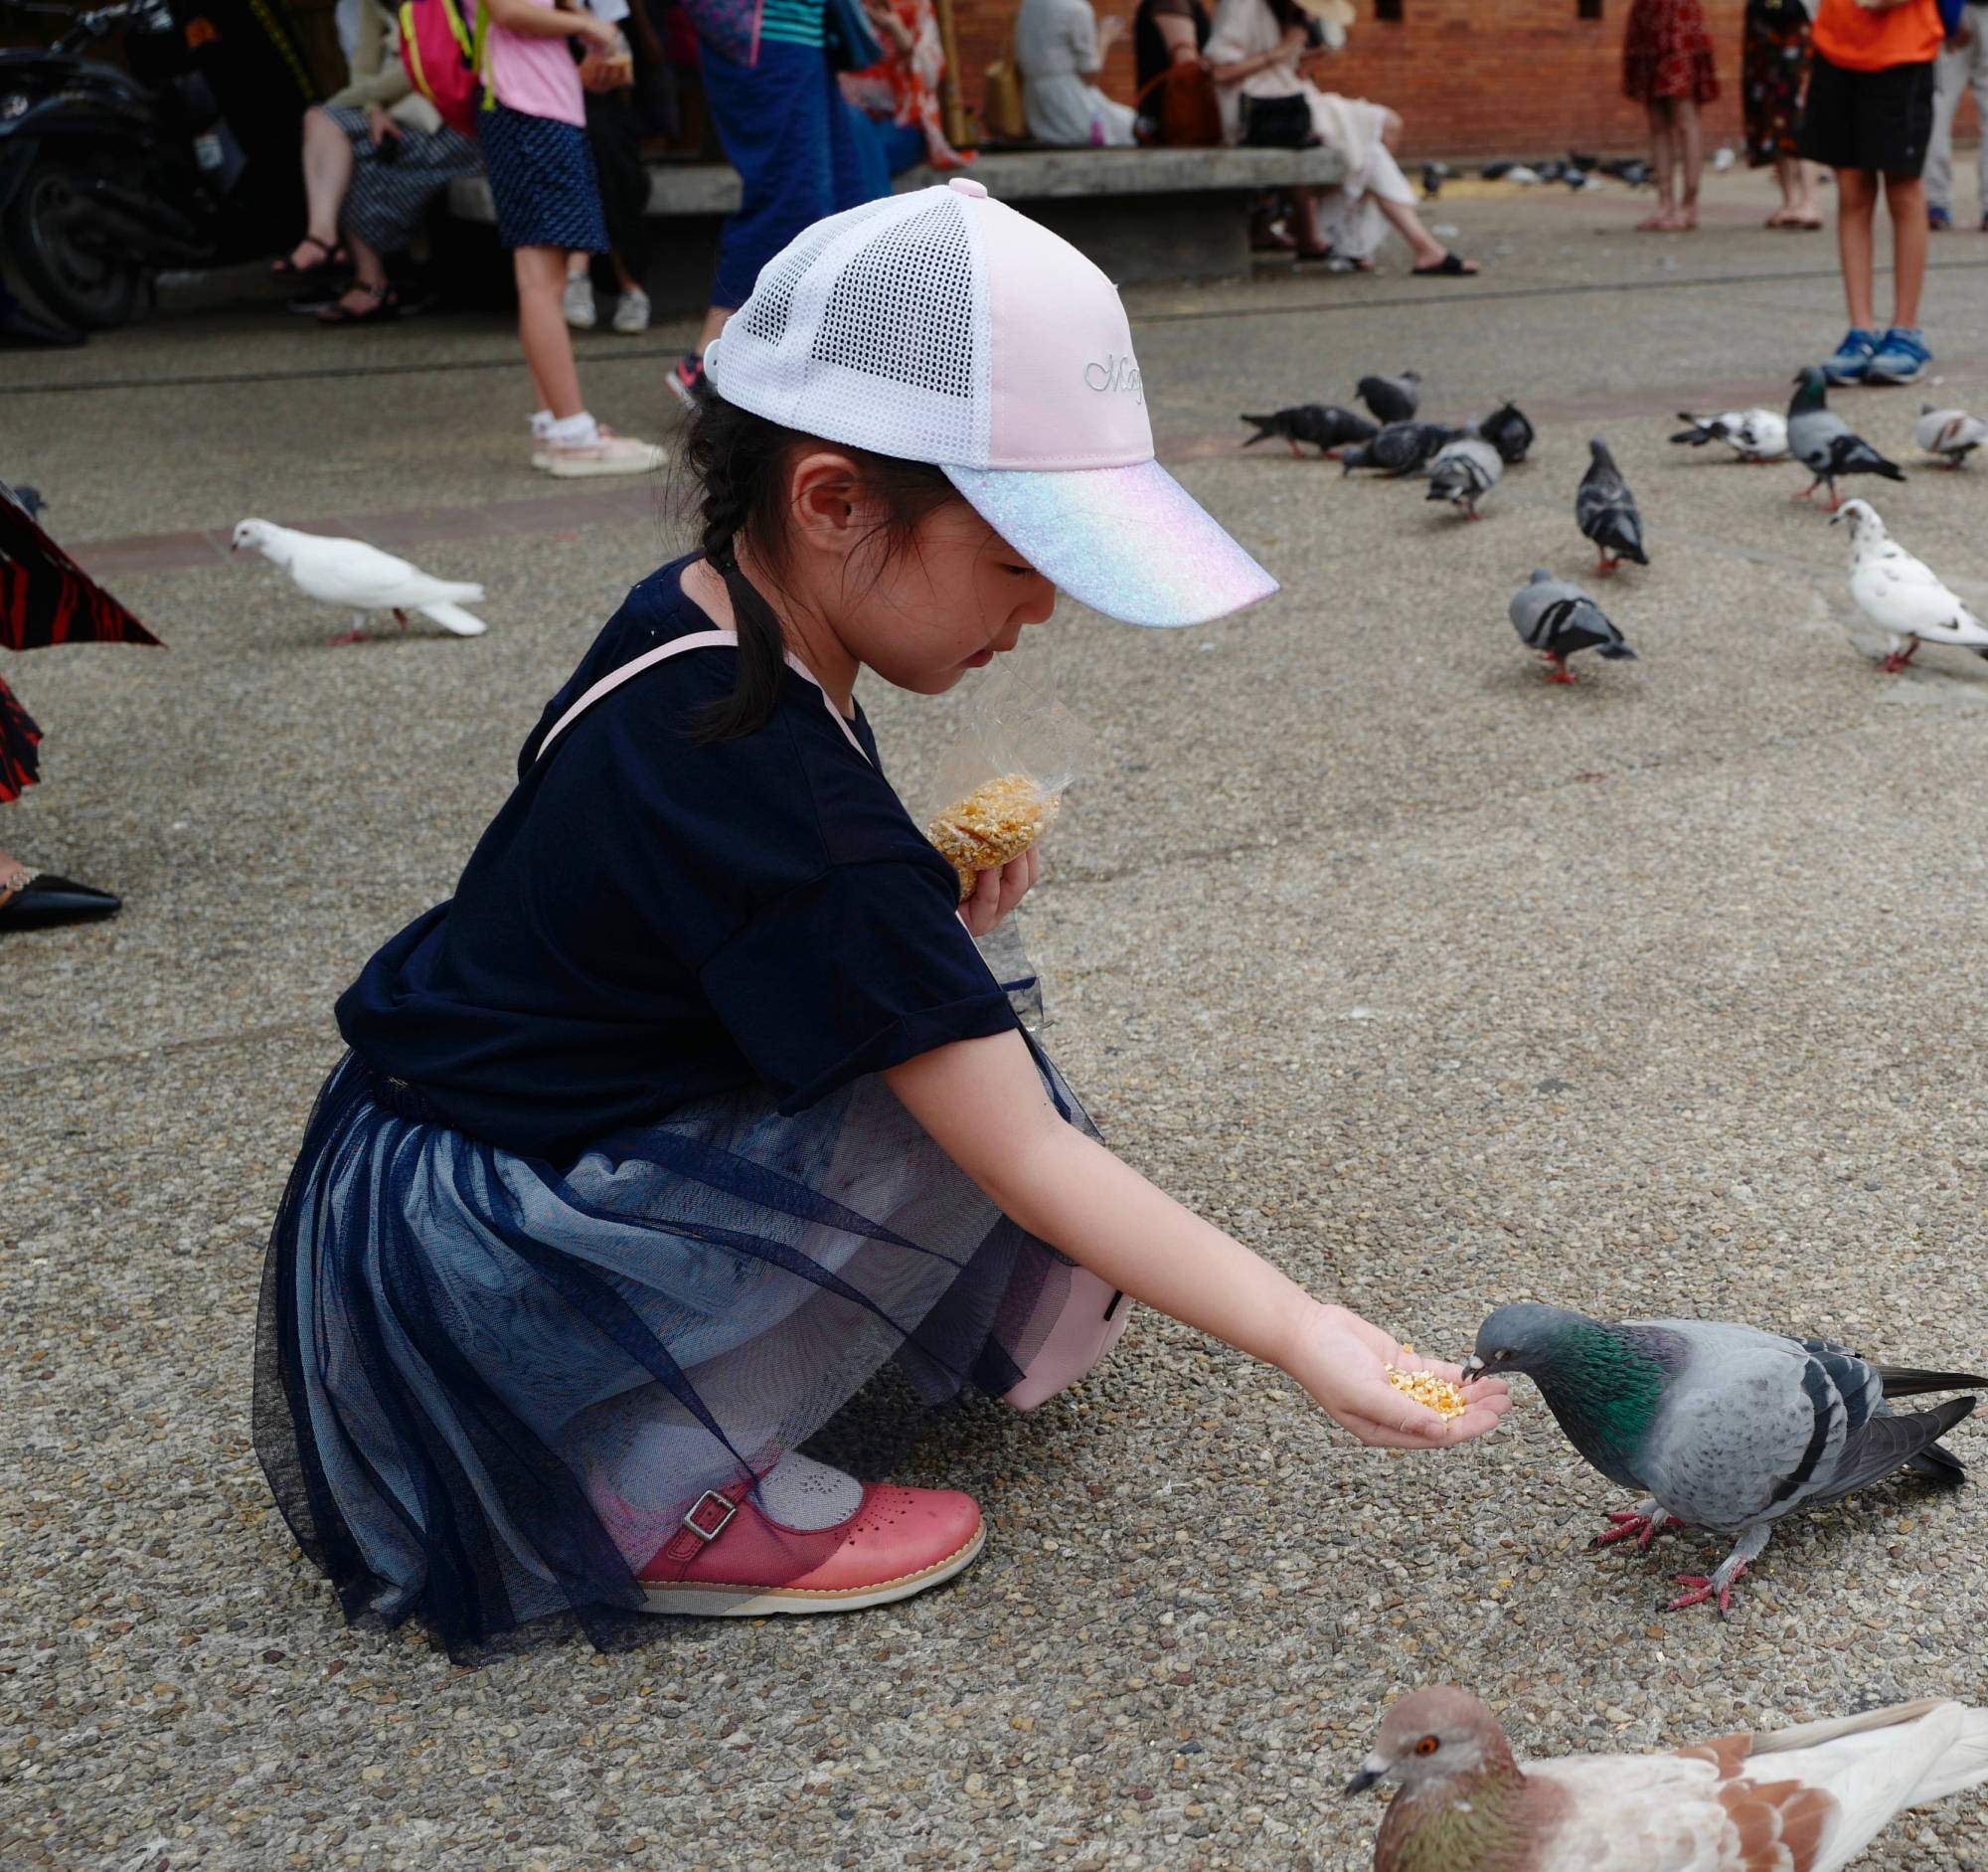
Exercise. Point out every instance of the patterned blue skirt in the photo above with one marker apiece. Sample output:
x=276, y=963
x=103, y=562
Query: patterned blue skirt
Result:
x=541, y=181
x=487, y=1390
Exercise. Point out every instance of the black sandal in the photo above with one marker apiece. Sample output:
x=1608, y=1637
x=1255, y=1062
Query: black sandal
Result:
x=385, y=308
x=284, y=267
x=1452, y=266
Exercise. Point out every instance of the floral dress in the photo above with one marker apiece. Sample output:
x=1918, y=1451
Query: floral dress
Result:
x=1773, y=67
x=1667, y=52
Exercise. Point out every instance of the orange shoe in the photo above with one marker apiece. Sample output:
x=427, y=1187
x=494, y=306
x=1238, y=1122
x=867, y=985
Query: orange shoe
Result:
x=729, y=1560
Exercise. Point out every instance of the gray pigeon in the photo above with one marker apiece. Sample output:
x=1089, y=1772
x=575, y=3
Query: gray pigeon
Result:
x=1557, y=619
x=1325, y=425
x=1605, y=510
x=1400, y=448
x=1465, y=467
x=1393, y=399
x=1509, y=430
x=1727, y=1427
x=1821, y=441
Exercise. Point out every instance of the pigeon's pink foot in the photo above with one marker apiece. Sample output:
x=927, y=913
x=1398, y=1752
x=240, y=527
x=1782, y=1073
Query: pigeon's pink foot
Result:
x=1295, y=449
x=1808, y=493
x=1628, y=1522
x=1704, y=1588
x=357, y=634
x=1604, y=566
x=1835, y=501
x=1559, y=673
x=400, y=618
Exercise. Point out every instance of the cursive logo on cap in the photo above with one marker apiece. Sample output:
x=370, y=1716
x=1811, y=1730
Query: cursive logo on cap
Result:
x=1113, y=372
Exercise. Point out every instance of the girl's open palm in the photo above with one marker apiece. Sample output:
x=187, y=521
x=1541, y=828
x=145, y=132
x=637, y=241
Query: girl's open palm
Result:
x=1342, y=1362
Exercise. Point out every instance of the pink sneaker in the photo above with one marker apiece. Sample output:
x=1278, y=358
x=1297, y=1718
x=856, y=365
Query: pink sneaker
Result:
x=731, y=1561
x=608, y=453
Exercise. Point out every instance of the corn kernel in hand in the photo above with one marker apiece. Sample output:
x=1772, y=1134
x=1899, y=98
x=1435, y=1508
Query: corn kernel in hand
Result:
x=1441, y=1397
x=997, y=822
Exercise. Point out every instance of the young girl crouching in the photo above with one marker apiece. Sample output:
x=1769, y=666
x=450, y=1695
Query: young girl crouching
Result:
x=697, y=1102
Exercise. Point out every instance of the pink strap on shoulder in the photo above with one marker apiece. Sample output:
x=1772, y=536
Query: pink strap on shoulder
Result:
x=696, y=640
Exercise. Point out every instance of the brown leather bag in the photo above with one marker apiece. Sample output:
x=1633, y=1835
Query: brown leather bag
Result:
x=1186, y=110
x=1003, y=113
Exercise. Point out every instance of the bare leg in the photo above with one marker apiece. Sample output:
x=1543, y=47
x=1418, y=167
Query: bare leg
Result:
x=1788, y=171
x=327, y=175
x=1429, y=251
x=714, y=323
x=369, y=278
x=1663, y=158
x=1690, y=135
x=1855, y=202
x=540, y=275
x=622, y=276
x=1904, y=195
x=1812, y=180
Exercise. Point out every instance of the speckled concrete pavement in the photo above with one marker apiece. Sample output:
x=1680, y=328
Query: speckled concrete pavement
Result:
x=1442, y=986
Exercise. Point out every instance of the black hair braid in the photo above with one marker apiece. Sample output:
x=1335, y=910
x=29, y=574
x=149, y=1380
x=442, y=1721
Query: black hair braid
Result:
x=739, y=462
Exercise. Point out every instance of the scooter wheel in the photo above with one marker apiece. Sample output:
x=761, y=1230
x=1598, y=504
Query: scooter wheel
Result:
x=48, y=228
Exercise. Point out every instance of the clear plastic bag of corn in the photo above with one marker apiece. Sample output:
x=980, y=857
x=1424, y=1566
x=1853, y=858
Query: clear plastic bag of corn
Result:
x=1001, y=787
x=1441, y=1397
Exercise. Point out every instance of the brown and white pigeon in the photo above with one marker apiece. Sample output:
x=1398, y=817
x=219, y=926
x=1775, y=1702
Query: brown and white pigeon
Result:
x=1803, y=1799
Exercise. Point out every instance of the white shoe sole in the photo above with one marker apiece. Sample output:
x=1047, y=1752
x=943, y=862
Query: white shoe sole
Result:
x=762, y=1601
x=568, y=469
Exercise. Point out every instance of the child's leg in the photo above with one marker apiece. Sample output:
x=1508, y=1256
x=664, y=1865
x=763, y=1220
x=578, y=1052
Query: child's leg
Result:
x=1689, y=136
x=541, y=277
x=1663, y=158
x=1906, y=197
x=1856, y=202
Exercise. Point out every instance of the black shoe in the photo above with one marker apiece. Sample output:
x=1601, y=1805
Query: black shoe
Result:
x=22, y=327
x=45, y=899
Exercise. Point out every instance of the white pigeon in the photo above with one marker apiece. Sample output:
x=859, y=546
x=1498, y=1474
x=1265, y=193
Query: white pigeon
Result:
x=1804, y=1799
x=1903, y=596
x=361, y=578
x=1949, y=433
x=1751, y=434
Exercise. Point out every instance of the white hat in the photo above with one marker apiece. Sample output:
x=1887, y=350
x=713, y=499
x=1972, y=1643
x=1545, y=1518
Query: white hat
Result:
x=942, y=326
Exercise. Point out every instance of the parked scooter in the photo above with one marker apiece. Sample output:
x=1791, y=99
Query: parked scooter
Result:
x=189, y=159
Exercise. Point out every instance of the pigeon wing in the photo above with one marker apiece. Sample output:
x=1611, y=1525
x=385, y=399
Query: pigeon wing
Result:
x=351, y=573
x=1750, y=1424
x=1887, y=1444
x=1904, y=595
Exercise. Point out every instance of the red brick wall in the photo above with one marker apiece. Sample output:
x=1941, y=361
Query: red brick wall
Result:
x=1470, y=77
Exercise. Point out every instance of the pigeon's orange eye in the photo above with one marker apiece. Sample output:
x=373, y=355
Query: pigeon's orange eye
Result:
x=1505, y=1354
x=1428, y=1745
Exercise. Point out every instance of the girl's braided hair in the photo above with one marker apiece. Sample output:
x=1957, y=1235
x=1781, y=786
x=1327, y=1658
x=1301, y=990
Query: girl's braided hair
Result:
x=739, y=463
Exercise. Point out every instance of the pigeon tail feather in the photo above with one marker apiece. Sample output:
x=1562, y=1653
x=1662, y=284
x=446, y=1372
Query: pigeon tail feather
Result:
x=1889, y=1442
x=1616, y=652
x=1907, y=1381
x=454, y=617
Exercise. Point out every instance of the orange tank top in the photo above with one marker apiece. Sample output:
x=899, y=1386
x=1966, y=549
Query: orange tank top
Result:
x=1860, y=39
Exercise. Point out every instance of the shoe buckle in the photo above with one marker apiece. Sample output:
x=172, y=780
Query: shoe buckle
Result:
x=725, y=1509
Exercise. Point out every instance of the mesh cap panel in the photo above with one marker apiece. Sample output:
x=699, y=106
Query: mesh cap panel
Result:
x=902, y=308
x=870, y=330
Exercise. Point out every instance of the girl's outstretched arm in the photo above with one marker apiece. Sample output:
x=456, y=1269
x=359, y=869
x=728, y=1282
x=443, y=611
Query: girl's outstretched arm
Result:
x=983, y=1103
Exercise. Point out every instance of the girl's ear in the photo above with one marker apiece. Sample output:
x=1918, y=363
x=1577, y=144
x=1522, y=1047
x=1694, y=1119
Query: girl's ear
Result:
x=826, y=503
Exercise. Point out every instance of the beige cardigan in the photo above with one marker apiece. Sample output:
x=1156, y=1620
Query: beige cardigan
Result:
x=378, y=77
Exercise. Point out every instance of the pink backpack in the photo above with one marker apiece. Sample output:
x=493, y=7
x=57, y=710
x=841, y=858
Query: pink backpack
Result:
x=443, y=54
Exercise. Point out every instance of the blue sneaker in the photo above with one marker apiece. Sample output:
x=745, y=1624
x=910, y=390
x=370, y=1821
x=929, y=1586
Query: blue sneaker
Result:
x=1940, y=220
x=1853, y=357
x=1900, y=358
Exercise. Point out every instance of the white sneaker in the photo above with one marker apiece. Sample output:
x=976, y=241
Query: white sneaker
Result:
x=631, y=311
x=608, y=454
x=578, y=302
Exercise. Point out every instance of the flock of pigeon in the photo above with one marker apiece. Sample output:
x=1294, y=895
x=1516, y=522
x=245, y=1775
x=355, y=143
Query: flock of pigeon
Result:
x=1719, y=1427
x=1900, y=594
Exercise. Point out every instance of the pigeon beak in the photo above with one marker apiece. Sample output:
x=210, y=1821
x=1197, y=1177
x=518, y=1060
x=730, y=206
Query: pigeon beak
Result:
x=1473, y=1367
x=1372, y=1770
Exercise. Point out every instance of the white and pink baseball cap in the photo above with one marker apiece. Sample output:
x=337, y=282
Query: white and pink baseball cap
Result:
x=942, y=326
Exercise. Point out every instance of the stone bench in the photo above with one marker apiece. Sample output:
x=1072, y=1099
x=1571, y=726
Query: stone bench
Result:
x=1140, y=214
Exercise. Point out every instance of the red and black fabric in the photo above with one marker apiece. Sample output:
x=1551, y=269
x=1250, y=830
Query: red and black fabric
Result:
x=1667, y=52
x=45, y=598
x=20, y=766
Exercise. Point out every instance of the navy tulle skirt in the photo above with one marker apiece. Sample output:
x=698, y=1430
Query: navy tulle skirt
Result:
x=488, y=1390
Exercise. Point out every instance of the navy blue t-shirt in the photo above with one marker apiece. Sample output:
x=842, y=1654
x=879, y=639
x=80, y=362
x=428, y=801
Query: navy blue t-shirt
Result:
x=648, y=921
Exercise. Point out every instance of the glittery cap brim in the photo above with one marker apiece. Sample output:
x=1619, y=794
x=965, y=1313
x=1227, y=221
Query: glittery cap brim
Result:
x=1130, y=542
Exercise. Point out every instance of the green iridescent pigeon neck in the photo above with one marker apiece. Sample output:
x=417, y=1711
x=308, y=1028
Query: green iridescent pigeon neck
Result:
x=1605, y=1385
